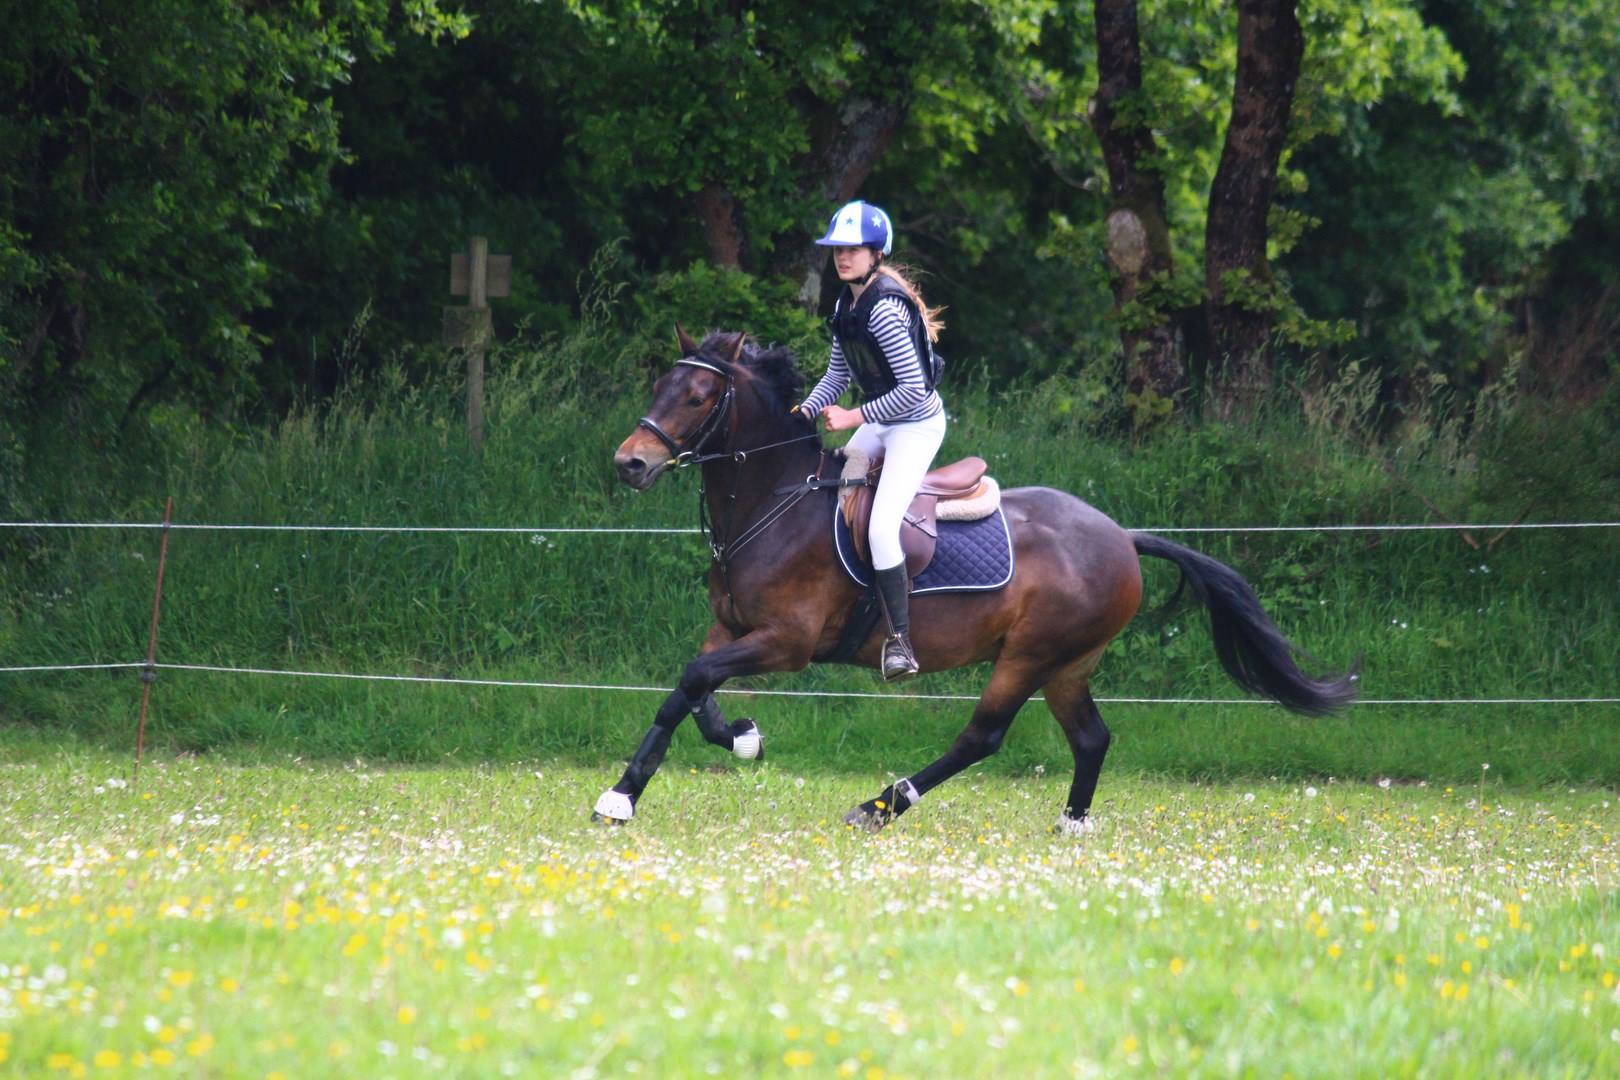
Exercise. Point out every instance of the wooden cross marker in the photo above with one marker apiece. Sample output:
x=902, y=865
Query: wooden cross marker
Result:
x=480, y=277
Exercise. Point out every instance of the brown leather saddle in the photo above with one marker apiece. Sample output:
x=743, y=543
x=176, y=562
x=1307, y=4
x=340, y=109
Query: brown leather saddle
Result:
x=920, y=530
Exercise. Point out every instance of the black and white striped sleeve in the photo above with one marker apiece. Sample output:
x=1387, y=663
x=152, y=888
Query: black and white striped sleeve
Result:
x=832, y=384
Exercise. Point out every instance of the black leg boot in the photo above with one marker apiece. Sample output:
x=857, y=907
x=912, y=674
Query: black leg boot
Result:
x=899, y=662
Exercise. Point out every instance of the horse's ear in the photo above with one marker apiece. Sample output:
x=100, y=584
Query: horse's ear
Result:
x=684, y=340
x=736, y=349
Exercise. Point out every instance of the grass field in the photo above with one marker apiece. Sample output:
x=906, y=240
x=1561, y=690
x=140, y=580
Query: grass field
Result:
x=232, y=916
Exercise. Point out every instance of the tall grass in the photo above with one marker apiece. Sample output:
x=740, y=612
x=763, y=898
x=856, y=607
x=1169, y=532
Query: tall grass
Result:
x=1429, y=615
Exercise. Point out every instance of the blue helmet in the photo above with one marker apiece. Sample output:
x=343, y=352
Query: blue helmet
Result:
x=859, y=224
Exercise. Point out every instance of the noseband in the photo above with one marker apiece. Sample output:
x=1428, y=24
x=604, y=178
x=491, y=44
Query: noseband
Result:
x=686, y=454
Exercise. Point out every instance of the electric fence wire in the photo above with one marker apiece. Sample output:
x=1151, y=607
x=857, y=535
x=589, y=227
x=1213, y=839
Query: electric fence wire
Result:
x=549, y=530
x=446, y=680
x=566, y=530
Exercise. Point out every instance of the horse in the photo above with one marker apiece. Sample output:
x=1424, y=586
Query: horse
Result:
x=781, y=601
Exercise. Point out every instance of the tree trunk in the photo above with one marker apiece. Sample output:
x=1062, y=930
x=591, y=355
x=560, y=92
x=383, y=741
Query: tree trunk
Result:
x=847, y=139
x=1138, y=233
x=1270, y=46
x=722, y=226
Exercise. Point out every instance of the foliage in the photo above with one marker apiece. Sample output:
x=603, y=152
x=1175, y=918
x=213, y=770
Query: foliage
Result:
x=1441, y=217
x=242, y=209
x=150, y=148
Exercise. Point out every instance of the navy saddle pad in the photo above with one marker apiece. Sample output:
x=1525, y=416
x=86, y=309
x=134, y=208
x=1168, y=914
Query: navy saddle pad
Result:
x=970, y=556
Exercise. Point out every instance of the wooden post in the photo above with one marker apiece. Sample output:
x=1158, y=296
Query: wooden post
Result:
x=479, y=276
x=149, y=671
x=477, y=288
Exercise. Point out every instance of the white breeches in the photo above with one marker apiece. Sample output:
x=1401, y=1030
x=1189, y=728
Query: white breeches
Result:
x=907, y=450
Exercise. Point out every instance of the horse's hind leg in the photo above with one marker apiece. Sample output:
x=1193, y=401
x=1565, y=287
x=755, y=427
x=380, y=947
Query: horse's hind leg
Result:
x=1069, y=698
x=1011, y=684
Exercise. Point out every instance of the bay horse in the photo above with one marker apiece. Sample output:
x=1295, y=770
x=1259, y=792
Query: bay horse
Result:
x=781, y=600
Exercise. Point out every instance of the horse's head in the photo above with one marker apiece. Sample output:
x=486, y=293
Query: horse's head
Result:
x=688, y=412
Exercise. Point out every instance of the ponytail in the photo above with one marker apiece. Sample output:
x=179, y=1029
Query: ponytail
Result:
x=930, y=316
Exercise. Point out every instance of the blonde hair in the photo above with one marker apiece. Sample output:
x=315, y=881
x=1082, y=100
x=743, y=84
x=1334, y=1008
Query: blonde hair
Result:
x=931, y=316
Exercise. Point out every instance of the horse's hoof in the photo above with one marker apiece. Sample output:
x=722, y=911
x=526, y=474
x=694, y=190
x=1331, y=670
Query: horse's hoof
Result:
x=748, y=744
x=613, y=808
x=867, y=819
x=1081, y=826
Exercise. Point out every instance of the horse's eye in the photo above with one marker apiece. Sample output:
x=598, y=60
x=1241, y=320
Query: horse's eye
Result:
x=694, y=401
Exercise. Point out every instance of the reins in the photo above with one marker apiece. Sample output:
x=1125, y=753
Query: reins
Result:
x=692, y=454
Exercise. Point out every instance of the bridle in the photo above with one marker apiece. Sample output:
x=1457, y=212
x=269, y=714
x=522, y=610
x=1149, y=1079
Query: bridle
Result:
x=699, y=436
x=689, y=451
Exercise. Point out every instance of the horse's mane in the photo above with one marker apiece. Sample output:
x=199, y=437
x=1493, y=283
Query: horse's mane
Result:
x=773, y=369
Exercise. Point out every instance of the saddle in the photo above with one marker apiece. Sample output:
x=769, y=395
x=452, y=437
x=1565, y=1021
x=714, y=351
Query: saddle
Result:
x=958, y=491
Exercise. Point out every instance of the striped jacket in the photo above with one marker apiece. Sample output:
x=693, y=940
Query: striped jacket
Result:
x=910, y=399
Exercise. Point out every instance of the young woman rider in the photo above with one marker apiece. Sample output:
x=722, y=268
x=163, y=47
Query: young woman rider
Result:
x=882, y=340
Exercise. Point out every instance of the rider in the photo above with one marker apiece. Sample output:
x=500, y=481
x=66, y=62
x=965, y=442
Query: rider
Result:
x=882, y=337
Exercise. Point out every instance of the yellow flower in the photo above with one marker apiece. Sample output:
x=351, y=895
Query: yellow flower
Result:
x=160, y=1056
x=406, y=1014
x=59, y=1061
x=1130, y=1044
x=1177, y=965
x=798, y=1059
x=107, y=1059
x=229, y=985
x=1462, y=992
x=180, y=978
x=200, y=1045
x=1482, y=942
x=1334, y=951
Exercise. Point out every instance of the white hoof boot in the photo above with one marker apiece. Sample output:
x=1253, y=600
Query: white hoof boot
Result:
x=1068, y=826
x=615, y=806
x=750, y=744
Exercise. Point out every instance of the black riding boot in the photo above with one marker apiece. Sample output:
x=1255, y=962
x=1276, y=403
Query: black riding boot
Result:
x=899, y=662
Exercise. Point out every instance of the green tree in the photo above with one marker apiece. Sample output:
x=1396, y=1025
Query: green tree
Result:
x=150, y=148
x=1443, y=218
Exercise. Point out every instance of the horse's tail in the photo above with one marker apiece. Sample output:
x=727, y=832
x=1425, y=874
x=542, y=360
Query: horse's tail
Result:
x=1251, y=648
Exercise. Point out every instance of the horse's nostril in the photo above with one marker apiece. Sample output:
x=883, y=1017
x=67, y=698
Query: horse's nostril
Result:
x=635, y=465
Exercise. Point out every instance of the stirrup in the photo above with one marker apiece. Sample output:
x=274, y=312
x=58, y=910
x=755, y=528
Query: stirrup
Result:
x=899, y=662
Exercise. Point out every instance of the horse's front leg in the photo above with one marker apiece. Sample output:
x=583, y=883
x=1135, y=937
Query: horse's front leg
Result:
x=722, y=658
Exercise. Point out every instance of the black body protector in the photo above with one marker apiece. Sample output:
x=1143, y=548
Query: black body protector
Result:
x=851, y=326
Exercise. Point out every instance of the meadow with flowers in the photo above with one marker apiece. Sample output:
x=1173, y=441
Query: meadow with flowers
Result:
x=265, y=917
